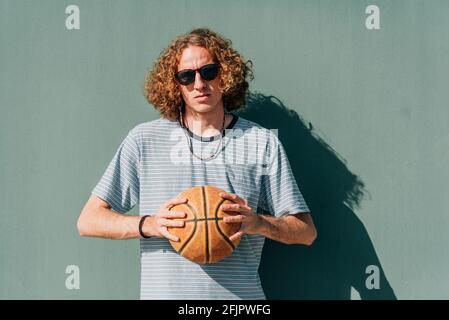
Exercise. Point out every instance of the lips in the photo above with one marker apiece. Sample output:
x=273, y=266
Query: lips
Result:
x=202, y=96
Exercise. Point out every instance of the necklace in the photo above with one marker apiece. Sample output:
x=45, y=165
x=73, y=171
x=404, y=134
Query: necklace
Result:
x=190, y=143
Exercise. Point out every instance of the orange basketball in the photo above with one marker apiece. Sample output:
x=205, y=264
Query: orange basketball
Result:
x=205, y=236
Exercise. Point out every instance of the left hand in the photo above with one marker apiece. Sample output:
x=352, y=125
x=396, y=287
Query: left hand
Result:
x=251, y=221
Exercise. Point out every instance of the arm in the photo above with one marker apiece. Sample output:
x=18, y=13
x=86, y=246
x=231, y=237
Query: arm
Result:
x=98, y=220
x=289, y=229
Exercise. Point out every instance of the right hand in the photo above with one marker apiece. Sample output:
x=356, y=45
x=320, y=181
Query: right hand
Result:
x=157, y=225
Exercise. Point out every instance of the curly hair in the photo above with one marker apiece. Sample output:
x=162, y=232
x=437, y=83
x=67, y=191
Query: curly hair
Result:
x=161, y=89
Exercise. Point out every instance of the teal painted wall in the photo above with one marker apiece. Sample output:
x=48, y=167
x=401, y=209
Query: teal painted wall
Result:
x=363, y=115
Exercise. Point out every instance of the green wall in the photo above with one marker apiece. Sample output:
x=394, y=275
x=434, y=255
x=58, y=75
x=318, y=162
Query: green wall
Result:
x=363, y=115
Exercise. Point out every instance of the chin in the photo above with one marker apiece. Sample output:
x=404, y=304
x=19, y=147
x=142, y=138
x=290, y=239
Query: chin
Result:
x=203, y=107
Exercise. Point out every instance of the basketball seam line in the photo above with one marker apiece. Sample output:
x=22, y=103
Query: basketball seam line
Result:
x=206, y=215
x=225, y=237
x=205, y=219
x=193, y=232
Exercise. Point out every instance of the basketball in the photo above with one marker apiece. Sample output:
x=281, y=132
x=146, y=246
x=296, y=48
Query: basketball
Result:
x=205, y=236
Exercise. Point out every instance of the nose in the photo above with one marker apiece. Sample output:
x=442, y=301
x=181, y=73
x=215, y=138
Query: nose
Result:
x=200, y=84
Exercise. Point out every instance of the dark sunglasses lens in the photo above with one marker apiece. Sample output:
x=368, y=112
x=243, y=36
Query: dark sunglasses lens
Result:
x=186, y=77
x=209, y=72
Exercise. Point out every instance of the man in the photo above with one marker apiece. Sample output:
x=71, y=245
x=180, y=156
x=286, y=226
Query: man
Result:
x=194, y=85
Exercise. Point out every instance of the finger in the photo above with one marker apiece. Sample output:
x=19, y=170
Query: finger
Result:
x=175, y=224
x=232, y=197
x=172, y=202
x=236, y=236
x=172, y=214
x=233, y=219
x=170, y=223
x=234, y=207
x=168, y=235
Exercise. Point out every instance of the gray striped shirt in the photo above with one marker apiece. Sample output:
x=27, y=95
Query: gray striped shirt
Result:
x=154, y=164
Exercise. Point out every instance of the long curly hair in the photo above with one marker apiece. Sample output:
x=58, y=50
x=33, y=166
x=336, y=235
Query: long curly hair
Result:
x=161, y=88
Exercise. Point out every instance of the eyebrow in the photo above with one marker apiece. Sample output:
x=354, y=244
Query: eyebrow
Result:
x=185, y=68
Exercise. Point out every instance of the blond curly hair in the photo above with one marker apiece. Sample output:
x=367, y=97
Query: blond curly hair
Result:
x=161, y=89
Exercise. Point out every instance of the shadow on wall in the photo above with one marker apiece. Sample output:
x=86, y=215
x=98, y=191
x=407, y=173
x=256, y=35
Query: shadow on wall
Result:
x=343, y=250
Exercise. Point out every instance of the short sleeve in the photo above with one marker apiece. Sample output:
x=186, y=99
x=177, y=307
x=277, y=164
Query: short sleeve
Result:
x=119, y=185
x=279, y=192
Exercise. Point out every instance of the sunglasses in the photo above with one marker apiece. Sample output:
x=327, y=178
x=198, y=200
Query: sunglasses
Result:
x=207, y=72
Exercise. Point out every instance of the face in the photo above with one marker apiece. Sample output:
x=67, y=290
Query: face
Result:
x=201, y=96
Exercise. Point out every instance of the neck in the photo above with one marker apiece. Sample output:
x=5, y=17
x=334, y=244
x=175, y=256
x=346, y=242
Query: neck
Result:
x=205, y=124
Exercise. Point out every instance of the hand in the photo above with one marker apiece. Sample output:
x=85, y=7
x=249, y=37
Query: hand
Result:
x=157, y=224
x=251, y=221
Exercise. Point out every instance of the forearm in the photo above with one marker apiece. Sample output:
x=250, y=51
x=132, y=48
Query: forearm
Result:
x=287, y=229
x=105, y=223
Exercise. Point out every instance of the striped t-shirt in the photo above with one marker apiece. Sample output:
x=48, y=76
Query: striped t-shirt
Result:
x=154, y=164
